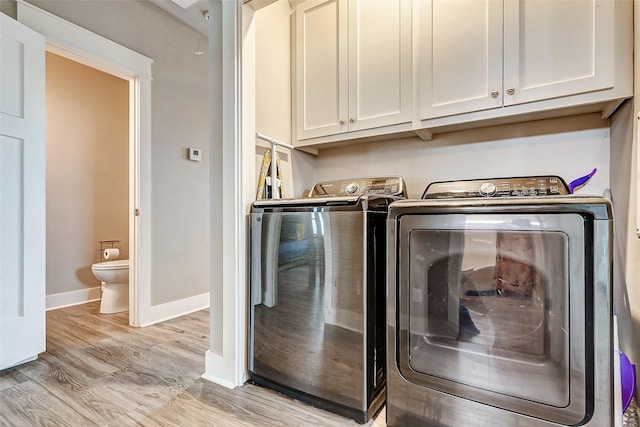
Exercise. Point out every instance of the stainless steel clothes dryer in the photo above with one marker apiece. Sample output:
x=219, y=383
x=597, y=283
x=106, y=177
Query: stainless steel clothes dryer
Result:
x=499, y=307
x=318, y=284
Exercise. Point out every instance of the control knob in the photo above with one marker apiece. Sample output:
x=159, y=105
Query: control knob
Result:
x=352, y=188
x=488, y=189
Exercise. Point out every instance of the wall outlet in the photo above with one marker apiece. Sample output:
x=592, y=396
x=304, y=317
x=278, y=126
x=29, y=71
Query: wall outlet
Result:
x=195, y=154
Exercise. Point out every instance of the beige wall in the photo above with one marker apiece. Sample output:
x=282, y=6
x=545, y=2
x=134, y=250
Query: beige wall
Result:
x=569, y=147
x=627, y=245
x=87, y=170
x=180, y=104
x=273, y=83
x=8, y=7
x=273, y=94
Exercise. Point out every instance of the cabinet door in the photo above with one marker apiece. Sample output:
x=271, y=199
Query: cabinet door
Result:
x=557, y=48
x=460, y=51
x=380, y=62
x=321, y=68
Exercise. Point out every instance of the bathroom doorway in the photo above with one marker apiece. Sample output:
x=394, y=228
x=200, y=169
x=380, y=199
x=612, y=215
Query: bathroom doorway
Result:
x=117, y=62
x=87, y=176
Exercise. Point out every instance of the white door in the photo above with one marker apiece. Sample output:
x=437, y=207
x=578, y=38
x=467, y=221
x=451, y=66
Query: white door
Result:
x=22, y=193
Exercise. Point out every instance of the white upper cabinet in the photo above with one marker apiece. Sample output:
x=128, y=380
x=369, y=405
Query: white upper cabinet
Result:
x=460, y=56
x=321, y=68
x=557, y=48
x=366, y=68
x=477, y=55
x=379, y=63
x=353, y=66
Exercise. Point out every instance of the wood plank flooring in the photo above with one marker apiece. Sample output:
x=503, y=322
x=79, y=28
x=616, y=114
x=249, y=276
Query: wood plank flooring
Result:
x=98, y=371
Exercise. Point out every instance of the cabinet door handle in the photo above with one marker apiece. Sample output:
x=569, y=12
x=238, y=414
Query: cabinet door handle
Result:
x=495, y=93
x=341, y=122
x=511, y=91
x=351, y=120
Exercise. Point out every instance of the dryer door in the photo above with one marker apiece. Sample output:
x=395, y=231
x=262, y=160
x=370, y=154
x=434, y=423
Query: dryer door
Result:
x=491, y=308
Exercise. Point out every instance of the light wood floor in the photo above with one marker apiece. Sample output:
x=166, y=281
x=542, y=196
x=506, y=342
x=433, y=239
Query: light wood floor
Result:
x=99, y=371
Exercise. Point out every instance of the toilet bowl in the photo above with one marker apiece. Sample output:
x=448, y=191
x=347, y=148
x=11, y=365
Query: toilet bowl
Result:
x=114, y=276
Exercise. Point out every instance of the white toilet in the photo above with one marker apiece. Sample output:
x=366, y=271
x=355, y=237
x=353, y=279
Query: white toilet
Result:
x=114, y=276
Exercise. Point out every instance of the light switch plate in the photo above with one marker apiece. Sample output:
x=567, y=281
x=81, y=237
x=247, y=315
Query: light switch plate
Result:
x=195, y=154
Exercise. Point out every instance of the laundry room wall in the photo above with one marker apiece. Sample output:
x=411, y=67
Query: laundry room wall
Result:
x=180, y=104
x=273, y=83
x=568, y=147
x=87, y=132
x=273, y=95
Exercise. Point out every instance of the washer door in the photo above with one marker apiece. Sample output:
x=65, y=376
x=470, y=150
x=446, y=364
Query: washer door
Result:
x=491, y=308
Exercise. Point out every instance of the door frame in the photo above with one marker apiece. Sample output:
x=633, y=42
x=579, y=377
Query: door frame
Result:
x=77, y=44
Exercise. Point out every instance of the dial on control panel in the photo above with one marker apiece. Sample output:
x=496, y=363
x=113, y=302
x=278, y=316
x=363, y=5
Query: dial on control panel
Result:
x=488, y=189
x=352, y=188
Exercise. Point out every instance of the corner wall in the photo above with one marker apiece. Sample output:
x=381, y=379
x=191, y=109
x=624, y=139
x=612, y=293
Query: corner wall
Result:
x=626, y=265
x=180, y=103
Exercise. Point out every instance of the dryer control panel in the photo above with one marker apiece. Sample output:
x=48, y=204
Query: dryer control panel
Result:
x=547, y=185
x=392, y=186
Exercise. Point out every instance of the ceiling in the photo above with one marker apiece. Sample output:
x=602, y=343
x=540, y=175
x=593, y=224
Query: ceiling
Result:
x=190, y=12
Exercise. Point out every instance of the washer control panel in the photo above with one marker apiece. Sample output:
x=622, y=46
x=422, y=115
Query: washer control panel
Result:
x=392, y=186
x=547, y=185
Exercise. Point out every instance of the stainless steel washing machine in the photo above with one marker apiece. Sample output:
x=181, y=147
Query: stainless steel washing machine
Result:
x=499, y=306
x=318, y=284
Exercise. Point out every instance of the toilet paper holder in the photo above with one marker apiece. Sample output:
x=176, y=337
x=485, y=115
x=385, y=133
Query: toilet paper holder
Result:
x=106, y=244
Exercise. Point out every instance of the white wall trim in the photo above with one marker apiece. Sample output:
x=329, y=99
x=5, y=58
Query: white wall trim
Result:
x=225, y=362
x=71, y=41
x=173, y=309
x=67, y=299
x=215, y=360
x=161, y=312
x=68, y=37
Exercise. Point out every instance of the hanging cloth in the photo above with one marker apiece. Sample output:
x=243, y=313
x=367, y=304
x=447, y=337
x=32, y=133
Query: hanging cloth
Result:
x=280, y=181
x=264, y=170
x=268, y=179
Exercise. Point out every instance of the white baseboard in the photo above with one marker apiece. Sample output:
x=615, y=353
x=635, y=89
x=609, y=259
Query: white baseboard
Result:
x=156, y=314
x=219, y=371
x=67, y=299
x=171, y=310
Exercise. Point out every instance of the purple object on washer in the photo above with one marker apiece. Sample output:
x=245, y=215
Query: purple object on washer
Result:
x=628, y=380
x=573, y=185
